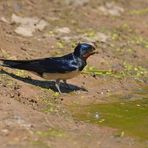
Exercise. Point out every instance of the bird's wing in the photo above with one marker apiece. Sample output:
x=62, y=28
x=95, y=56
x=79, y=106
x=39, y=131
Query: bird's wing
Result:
x=58, y=65
x=51, y=65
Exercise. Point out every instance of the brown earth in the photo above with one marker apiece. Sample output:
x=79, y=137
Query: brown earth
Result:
x=31, y=113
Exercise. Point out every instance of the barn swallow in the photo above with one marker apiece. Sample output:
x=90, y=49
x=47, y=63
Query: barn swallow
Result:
x=56, y=68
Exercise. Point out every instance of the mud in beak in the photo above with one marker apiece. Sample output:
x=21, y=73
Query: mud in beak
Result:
x=90, y=53
x=93, y=49
x=94, y=52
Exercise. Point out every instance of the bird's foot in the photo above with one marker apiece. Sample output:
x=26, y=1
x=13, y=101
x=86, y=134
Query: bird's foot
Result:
x=67, y=85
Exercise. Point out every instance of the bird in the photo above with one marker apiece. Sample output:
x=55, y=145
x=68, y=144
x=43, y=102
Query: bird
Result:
x=59, y=68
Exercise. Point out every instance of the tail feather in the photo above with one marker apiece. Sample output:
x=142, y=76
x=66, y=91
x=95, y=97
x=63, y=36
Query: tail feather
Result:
x=30, y=65
x=9, y=63
x=13, y=63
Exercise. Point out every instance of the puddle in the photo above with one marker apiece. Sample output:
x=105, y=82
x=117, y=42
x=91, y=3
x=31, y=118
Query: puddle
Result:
x=130, y=117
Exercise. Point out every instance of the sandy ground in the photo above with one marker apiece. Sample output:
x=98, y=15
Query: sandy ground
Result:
x=32, y=114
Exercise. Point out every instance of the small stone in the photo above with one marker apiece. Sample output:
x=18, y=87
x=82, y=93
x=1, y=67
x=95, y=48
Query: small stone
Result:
x=64, y=30
x=97, y=116
x=111, y=8
x=98, y=37
x=5, y=132
x=3, y=19
x=102, y=92
x=102, y=37
x=76, y=2
x=28, y=25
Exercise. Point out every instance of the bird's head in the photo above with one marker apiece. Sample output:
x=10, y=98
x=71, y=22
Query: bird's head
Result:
x=84, y=50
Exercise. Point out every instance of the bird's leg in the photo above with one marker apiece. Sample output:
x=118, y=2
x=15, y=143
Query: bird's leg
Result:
x=67, y=85
x=57, y=84
x=65, y=82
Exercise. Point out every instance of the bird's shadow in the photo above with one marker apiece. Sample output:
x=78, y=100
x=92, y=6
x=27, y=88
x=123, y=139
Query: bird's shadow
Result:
x=45, y=84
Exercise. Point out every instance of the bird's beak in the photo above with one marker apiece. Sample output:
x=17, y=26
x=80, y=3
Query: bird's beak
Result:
x=93, y=50
x=90, y=53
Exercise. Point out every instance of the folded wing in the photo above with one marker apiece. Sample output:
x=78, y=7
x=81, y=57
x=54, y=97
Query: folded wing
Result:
x=40, y=66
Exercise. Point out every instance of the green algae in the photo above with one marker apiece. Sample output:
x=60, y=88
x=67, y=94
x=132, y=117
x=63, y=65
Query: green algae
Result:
x=51, y=132
x=39, y=144
x=128, y=71
x=129, y=117
x=139, y=12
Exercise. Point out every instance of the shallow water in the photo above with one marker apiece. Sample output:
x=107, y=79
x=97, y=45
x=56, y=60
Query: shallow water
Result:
x=129, y=117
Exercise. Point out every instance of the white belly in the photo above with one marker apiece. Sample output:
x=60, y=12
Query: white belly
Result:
x=60, y=76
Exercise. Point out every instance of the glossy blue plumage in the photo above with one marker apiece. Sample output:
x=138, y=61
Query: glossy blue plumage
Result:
x=66, y=64
x=62, y=64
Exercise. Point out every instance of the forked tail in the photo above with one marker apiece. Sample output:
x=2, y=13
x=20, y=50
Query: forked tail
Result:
x=18, y=64
x=9, y=63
